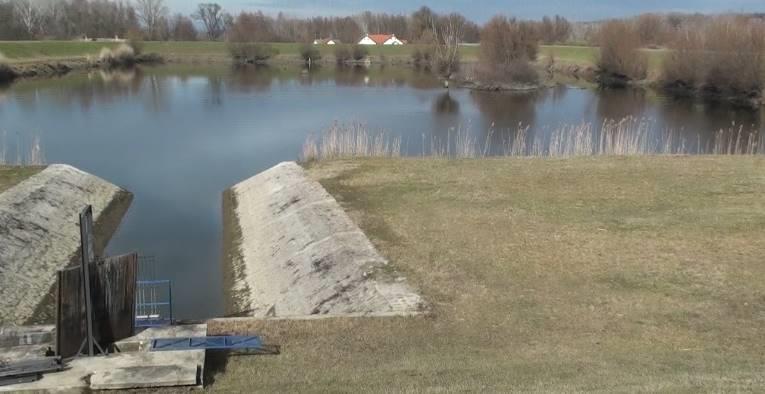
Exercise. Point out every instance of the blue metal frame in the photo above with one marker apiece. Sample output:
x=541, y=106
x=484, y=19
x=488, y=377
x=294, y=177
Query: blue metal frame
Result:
x=156, y=322
x=207, y=343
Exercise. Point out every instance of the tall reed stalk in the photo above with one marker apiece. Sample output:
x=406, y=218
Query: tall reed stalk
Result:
x=630, y=136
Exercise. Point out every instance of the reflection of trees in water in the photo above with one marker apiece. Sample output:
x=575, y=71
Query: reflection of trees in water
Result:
x=445, y=104
x=248, y=79
x=503, y=113
x=620, y=103
x=216, y=89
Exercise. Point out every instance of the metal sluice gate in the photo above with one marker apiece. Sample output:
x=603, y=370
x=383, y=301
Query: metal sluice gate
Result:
x=154, y=296
x=242, y=343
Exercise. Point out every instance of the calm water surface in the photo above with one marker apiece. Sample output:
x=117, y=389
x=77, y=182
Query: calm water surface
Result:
x=178, y=136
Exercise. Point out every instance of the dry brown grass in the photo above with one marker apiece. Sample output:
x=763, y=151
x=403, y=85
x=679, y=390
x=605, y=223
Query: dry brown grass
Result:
x=587, y=274
x=630, y=136
x=350, y=140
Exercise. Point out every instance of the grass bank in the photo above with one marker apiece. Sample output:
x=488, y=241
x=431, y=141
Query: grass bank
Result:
x=589, y=274
x=11, y=176
x=19, y=51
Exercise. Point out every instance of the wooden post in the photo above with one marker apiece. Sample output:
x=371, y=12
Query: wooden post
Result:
x=86, y=245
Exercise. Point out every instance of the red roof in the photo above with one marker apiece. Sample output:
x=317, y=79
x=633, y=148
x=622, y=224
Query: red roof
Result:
x=380, y=38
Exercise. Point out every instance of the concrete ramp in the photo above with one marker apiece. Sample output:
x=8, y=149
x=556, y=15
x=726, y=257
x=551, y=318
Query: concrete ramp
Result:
x=39, y=232
x=293, y=251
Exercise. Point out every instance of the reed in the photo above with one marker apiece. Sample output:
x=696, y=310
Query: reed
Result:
x=630, y=136
x=348, y=141
x=26, y=154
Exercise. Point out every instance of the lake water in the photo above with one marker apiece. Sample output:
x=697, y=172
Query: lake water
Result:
x=177, y=137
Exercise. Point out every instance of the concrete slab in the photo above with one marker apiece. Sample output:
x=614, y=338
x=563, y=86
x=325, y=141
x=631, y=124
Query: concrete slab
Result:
x=298, y=253
x=39, y=233
x=135, y=369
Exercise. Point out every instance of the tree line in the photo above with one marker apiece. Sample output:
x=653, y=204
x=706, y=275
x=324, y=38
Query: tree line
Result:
x=153, y=20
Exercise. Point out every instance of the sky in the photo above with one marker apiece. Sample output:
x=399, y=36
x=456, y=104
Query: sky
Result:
x=482, y=10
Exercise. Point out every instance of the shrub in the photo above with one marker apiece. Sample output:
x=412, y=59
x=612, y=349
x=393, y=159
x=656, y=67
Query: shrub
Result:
x=620, y=55
x=507, y=48
x=685, y=65
x=122, y=56
x=423, y=57
x=359, y=52
x=251, y=52
x=518, y=71
x=342, y=54
x=736, y=56
x=310, y=53
x=726, y=56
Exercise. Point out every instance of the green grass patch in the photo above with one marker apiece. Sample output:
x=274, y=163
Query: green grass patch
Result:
x=590, y=274
x=11, y=176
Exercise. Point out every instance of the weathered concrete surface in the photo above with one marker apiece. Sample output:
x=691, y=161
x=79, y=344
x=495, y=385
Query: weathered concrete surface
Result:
x=39, y=232
x=293, y=251
x=130, y=369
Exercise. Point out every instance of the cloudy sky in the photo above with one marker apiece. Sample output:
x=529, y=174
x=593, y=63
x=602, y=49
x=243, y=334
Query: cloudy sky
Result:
x=481, y=10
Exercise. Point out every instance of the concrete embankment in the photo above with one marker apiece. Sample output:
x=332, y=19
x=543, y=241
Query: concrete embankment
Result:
x=39, y=234
x=291, y=250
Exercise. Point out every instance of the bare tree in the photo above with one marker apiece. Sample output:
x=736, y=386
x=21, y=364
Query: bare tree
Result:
x=448, y=35
x=211, y=15
x=152, y=13
x=29, y=14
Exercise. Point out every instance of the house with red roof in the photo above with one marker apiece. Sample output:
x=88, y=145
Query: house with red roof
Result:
x=380, y=39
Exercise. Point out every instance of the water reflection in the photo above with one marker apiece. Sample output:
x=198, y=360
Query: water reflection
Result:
x=445, y=104
x=149, y=130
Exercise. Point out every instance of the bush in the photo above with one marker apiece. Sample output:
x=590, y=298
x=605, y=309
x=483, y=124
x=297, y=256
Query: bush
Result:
x=359, y=52
x=423, y=57
x=726, y=56
x=310, y=53
x=518, y=71
x=342, y=54
x=620, y=55
x=251, y=52
x=122, y=56
x=507, y=48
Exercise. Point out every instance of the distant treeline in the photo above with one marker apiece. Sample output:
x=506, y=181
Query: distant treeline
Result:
x=152, y=20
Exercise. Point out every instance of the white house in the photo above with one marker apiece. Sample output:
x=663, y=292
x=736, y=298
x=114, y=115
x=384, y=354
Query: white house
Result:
x=380, y=39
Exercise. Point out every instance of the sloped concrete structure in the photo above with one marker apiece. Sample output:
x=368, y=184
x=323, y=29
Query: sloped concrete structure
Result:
x=40, y=234
x=293, y=251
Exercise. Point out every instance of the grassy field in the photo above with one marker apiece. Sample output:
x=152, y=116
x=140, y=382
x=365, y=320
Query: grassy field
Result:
x=592, y=274
x=585, y=56
x=41, y=50
x=24, y=51
x=10, y=176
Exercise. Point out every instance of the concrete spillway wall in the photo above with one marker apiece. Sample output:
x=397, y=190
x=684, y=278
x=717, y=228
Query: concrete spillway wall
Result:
x=40, y=234
x=291, y=250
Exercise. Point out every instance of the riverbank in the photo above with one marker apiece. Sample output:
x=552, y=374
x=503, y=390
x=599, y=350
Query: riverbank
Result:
x=587, y=274
x=51, y=58
x=39, y=233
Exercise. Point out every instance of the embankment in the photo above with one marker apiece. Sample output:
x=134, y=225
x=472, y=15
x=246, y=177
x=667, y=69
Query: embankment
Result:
x=291, y=250
x=39, y=234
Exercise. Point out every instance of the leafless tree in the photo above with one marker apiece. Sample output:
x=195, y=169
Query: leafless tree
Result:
x=29, y=13
x=448, y=35
x=152, y=13
x=211, y=15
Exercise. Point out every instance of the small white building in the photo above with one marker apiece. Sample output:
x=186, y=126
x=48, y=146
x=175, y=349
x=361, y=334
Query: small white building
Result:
x=380, y=39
